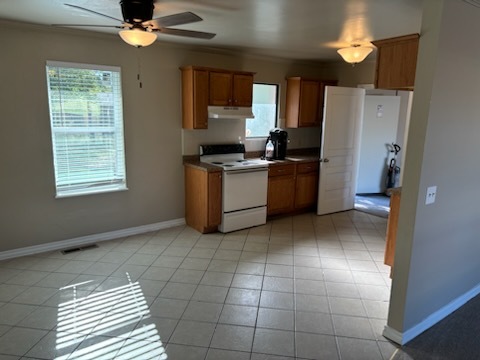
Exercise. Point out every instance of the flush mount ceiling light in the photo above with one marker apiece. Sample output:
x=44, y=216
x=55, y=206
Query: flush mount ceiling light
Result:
x=137, y=37
x=355, y=53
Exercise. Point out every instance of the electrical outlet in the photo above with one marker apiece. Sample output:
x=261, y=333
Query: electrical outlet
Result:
x=430, y=197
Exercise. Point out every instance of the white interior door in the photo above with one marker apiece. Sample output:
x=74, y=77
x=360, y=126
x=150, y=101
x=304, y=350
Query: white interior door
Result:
x=342, y=121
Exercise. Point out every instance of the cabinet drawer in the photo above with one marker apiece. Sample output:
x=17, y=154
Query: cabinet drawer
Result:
x=307, y=167
x=278, y=170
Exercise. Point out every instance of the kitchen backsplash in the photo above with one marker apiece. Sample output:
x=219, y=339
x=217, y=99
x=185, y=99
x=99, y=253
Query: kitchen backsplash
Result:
x=233, y=130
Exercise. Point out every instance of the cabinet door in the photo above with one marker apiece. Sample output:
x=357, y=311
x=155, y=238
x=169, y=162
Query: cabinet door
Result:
x=194, y=98
x=214, y=198
x=309, y=95
x=242, y=90
x=292, y=105
x=281, y=194
x=220, y=89
x=306, y=185
x=196, y=198
x=396, y=62
x=200, y=99
x=306, y=190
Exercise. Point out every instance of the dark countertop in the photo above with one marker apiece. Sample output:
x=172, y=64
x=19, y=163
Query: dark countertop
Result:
x=201, y=165
x=194, y=161
x=296, y=159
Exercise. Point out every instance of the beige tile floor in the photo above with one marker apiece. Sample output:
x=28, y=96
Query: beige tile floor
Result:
x=302, y=287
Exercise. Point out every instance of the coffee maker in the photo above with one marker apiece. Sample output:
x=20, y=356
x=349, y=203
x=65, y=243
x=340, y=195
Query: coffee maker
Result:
x=279, y=139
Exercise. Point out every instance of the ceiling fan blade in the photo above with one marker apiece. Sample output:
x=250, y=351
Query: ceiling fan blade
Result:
x=187, y=33
x=105, y=26
x=175, y=19
x=93, y=12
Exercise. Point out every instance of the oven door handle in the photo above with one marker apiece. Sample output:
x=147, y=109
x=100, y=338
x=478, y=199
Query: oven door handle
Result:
x=244, y=171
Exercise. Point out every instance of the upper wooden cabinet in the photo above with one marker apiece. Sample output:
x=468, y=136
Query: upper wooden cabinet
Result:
x=396, y=62
x=305, y=98
x=194, y=98
x=231, y=89
x=203, y=86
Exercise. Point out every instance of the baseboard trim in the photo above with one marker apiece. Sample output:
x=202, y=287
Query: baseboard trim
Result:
x=428, y=322
x=84, y=240
x=392, y=334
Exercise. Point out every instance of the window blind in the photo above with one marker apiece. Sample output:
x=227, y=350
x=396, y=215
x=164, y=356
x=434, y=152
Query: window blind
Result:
x=87, y=128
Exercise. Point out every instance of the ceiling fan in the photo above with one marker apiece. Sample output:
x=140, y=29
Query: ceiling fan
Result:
x=138, y=28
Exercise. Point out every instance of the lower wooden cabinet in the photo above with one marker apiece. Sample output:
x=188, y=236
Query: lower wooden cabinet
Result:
x=306, y=185
x=392, y=226
x=281, y=189
x=292, y=187
x=203, y=199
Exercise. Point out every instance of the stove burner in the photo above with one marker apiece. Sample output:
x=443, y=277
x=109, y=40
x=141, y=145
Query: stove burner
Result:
x=228, y=165
x=217, y=162
x=241, y=161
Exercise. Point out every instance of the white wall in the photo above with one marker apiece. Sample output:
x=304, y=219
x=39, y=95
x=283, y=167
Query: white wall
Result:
x=379, y=131
x=436, y=260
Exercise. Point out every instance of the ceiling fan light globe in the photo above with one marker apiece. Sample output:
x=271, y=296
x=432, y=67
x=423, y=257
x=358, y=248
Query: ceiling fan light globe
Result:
x=137, y=37
x=354, y=54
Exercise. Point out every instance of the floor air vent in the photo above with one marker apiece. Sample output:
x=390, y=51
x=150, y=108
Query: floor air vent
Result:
x=81, y=248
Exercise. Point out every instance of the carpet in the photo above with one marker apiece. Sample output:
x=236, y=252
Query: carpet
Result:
x=453, y=338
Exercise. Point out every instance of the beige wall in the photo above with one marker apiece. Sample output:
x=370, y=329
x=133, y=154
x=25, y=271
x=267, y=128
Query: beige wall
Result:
x=155, y=142
x=436, y=260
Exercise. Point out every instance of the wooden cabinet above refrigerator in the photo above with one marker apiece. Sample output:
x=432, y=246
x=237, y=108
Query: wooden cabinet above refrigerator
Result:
x=396, y=62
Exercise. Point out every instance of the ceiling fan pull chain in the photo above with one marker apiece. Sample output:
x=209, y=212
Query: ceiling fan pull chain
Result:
x=139, y=69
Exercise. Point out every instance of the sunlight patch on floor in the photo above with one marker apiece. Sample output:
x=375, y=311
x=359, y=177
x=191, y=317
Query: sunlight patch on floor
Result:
x=97, y=320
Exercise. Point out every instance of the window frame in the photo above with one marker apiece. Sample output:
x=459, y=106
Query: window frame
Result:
x=116, y=180
x=277, y=97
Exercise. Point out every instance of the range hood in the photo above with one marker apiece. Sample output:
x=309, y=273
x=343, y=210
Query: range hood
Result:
x=230, y=112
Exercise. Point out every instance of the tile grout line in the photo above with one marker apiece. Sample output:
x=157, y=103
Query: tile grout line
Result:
x=294, y=281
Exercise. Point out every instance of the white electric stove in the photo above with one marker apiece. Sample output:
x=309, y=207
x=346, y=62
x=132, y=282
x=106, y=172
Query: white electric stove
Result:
x=244, y=186
x=231, y=157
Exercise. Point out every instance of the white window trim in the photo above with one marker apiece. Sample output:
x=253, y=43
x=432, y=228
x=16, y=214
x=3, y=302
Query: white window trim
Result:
x=113, y=185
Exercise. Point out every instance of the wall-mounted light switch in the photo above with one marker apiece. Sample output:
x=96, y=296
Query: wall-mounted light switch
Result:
x=379, y=111
x=430, y=197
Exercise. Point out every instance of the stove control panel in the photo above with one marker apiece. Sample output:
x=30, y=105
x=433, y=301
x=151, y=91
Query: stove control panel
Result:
x=217, y=149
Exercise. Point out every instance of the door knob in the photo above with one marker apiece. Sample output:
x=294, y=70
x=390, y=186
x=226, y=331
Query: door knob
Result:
x=324, y=160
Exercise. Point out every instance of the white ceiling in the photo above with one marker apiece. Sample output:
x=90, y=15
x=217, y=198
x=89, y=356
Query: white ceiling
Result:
x=291, y=29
